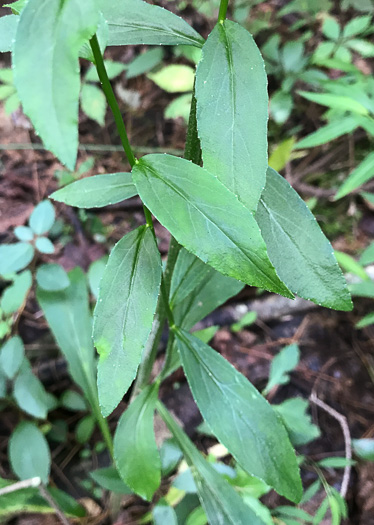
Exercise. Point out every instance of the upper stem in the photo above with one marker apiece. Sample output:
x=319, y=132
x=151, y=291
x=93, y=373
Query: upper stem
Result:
x=111, y=98
x=222, y=11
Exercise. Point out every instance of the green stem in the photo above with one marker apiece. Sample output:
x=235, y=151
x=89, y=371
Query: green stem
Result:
x=222, y=11
x=111, y=98
x=105, y=431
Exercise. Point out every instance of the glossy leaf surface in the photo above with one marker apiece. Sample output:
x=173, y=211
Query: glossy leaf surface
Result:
x=124, y=313
x=240, y=417
x=137, y=22
x=46, y=71
x=297, y=246
x=135, y=450
x=97, y=191
x=232, y=111
x=206, y=218
x=221, y=502
x=29, y=453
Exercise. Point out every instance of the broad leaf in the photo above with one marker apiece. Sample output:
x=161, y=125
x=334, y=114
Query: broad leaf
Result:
x=15, y=295
x=52, y=277
x=68, y=316
x=364, y=448
x=29, y=453
x=93, y=103
x=44, y=245
x=8, y=28
x=109, y=479
x=163, y=513
x=331, y=131
x=135, y=450
x=302, y=255
x=42, y=218
x=49, y=56
x=137, y=22
x=176, y=78
x=206, y=218
x=240, y=417
x=24, y=233
x=30, y=393
x=360, y=175
x=221, y=502
x=297, y=421
x=11, y=356
x=232, y=111
x=15, y=257
x=145, y=62
x=97, y=191
x=124, y=313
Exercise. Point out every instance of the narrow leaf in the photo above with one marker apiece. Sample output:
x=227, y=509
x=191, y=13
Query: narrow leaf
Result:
x=331, y=131
x=68, y=316
x=221, y=502
x=297, y=246
x=137, y=22
x=124, y=313
x=135, y=450
x=284, y=362
x=29, y=453
x=335, y=101
x=232, y=111
x=49, y=56
x=358, y=177
x=97, y=191
x=206, y=218
x=109, y=479
x=240, y=417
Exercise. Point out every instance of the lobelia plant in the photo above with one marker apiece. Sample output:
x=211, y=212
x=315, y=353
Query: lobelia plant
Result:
x=233, y=221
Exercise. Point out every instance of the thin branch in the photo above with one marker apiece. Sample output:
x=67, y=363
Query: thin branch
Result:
x=342, y=420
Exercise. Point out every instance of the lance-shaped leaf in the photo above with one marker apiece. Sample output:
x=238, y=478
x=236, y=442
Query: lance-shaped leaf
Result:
x=124, y=313
x=240, y=417
x=49, y=36
x=222, y=504
x=232, y=111
x=206, y=218
x=361, y=174
x=135, y=450
x=68, y=315
x=302, y=255
x=137, y=22
x=97, y=191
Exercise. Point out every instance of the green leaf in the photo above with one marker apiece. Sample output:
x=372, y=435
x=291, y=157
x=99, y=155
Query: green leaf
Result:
x=29, y=453
x=336, y=102
x=281, y=155
x=52, y=277
x=49, y=56
x=360, y=175
x=136, y=22
x=68, y=315
x=292, y=57
x=97, y=191
x=15, y=257
x=102, y=33
x=124, y=313
x=281, y=105
x=15, y=295
x=179, y=107
x=170, y=456
x=231, y=89
x=93, y=103
x=44, y=245
x=285, y=361
x=113, y=69
x=302, y=255
x=331, y=131
x=145, y=62
x=42, y=218
x=368, y=196
x=12, y=103
x=247, y=319
x=297, y=421
x=221, y=502
x=363, y=47
x=240, y=417
x=349, y=264
x=24, y=233
x=175, y=78
x=356, y=26
x=367, y=320
x=363, y=289
x=11, y=356
x=135, y=450
x=17, y=6
x=335, y=462
x=364, y=448
x=30, y=394
x=189, y=271
x=8, y=29
x=84, y=429
x=95, y=274
x=331, y=28
x=109, y=479
x=73, y=401
x=206, y=334
x=207, y=219
x=163, y=513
